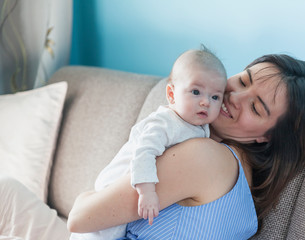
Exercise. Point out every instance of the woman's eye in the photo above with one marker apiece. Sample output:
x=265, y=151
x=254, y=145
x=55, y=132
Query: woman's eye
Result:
x=215, y=97
x=241, y=82
x=195, y=92
x=254, y=109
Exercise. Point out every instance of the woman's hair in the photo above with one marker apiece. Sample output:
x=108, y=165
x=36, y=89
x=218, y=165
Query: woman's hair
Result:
x=276, y=162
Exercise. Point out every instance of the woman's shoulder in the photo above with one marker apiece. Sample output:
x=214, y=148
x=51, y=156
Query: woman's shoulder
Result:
x=208, y=151
x=213, y=166
x=203, y=151
x=223, y=157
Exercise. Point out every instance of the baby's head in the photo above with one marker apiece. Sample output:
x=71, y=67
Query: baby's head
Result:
x=196, y=86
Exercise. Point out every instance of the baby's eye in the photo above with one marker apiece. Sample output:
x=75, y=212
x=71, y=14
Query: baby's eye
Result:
x=215, y=97
x=195, y=92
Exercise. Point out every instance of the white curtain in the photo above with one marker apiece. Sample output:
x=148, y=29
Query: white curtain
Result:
x=35, y=39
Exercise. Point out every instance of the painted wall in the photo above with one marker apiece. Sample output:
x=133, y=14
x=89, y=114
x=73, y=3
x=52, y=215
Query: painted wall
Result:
x=147, y=36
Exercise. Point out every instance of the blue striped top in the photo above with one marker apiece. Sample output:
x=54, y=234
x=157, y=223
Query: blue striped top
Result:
x=232, y=216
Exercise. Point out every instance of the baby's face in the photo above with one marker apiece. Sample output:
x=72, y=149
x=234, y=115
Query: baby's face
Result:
x=198, y=94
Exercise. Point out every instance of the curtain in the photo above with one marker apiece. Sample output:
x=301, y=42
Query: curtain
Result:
x=35, y=39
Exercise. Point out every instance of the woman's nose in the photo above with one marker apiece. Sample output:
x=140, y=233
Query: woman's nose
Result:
x=236, y=98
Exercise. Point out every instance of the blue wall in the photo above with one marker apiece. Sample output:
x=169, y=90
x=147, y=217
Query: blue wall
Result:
x=147, y=36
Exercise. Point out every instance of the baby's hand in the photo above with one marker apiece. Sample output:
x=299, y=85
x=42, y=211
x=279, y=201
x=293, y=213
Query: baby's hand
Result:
x=148, y=206
x=148, y=203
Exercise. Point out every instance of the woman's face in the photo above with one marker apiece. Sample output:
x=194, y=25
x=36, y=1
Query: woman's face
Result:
x=251, y=106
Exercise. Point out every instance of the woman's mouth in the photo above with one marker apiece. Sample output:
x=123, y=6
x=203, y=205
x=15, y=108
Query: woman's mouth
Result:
x=225, y=111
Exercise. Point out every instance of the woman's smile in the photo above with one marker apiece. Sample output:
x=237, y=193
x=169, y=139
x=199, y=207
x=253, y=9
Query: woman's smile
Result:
x=224, y=111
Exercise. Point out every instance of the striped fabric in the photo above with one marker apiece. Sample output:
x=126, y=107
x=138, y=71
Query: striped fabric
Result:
x=232, y=216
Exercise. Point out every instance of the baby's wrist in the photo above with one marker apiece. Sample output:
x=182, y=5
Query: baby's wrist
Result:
x=143, y=188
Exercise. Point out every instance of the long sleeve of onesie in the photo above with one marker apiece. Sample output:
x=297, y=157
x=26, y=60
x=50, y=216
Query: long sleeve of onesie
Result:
x=152, y=136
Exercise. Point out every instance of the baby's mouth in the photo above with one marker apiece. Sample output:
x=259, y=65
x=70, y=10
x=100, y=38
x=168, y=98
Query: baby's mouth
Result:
x=202, y=114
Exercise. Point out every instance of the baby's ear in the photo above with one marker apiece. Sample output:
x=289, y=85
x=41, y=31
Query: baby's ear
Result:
x=170, y=93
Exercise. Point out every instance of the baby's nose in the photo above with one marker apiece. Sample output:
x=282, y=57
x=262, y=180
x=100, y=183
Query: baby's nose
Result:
x=205, y=101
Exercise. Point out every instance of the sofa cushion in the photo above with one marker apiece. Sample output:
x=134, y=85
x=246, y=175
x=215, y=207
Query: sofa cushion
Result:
x=29, y=125
x=101, y=107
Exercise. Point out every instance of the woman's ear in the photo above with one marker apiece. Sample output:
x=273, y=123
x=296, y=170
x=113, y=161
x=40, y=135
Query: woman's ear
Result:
x=170, y=93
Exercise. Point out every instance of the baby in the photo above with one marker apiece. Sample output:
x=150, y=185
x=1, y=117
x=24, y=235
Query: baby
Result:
x=194, y=93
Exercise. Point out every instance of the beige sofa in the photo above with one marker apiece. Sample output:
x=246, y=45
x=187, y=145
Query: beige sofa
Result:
x=100, y=108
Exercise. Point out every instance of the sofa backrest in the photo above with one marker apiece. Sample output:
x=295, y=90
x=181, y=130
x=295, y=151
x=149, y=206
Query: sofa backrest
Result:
x=101, y=107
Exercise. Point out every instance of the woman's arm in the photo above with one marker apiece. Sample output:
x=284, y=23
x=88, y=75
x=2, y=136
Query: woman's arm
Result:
x=114, y=205
x=185, y=173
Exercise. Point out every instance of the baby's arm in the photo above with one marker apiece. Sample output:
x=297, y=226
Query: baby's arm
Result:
x=153, y=139
x=148, y=203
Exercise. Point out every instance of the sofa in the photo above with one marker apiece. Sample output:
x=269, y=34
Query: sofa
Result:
x=100, y=107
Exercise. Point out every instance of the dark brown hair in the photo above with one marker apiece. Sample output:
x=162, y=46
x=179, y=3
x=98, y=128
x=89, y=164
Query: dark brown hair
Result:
x=276, y=162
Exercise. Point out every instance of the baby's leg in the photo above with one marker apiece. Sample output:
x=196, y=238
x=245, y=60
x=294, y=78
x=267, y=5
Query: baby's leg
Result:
x=117, y=168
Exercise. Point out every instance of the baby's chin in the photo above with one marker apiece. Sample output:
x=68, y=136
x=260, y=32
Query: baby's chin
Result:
x=198, y=123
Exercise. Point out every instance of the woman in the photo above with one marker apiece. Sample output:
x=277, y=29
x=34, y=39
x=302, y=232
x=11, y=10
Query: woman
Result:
x=262, y=123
